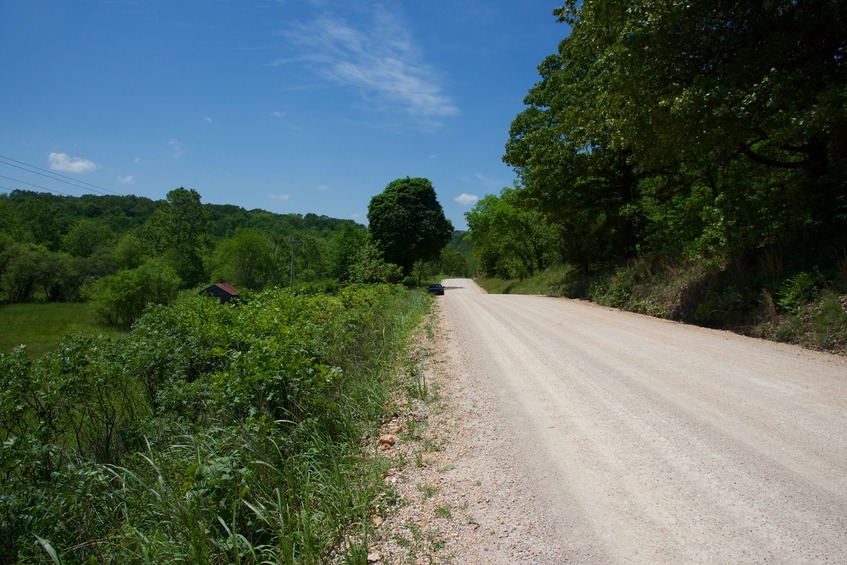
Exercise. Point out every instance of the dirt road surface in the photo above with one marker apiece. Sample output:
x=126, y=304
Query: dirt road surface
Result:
x=589, y=435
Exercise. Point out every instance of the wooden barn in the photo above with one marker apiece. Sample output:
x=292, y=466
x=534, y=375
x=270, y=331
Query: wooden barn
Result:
x=223, y=291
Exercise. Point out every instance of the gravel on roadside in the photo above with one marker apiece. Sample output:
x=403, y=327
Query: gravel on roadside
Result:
x=456, y=496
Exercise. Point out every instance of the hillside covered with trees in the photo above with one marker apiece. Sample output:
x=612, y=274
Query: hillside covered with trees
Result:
x=122, y=252
x=685, y=160
x=52, y=245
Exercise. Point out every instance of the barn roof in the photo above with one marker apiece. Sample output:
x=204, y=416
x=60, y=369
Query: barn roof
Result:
x=228, y=288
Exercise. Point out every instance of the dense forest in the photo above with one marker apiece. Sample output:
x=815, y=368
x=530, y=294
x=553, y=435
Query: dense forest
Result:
x=62, y=242
x=685, y=160
x=121, y=252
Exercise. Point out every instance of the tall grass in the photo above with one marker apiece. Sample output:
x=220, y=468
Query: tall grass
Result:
x=40, y=327
x=243, y=444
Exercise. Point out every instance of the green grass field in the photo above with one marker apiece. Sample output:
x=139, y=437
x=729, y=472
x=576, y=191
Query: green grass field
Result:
x=41, y=326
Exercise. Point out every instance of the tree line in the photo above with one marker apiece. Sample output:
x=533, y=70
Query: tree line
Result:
x=121, y=252
x=707, y=132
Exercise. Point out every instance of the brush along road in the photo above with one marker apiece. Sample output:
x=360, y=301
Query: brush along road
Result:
x=612, y=437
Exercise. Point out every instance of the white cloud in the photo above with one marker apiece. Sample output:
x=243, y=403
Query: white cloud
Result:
x=466, y=199
x=278, y=114
x=355, y=216
x=62, y=162
x=485, y=180
x=323, y=187
x=282, y=197
x=176, y=148
x=207, y=119
x=379, y=61
x=126, y=180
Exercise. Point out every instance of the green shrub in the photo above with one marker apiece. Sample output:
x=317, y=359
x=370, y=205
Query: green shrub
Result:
x=118, y=300
x=797, y=290
x=819, y=324
x=211, y=433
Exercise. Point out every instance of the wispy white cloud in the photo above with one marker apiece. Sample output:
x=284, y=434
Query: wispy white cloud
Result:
x=282, y=197
x=466, y=199
x=176, y=148
x=63, y=162
x=126, y=180
x=378, y=60
x=480, y=179
x=485, y=180
x=278, y=114
x=207, y=119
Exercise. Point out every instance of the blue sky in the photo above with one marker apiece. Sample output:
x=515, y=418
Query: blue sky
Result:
x=284, y=105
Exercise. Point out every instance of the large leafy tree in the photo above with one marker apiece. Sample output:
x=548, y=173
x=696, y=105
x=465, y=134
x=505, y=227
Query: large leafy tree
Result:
x=346, y=243
x=118, y=300
x=509, y=240
x=23, y=269
x=407, y=222
x=86, y=236
x=179, y=230
x=367, y=266
x=247, y=260
x=656, y=113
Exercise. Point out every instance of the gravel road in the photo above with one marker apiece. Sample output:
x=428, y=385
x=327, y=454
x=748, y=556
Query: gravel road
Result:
x=587, y=435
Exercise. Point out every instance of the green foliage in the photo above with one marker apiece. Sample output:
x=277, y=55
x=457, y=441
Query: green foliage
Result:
x=688, y=146
x=86, y=236
x=118, y=300
x=695, y=131
x=201, y=242
x=27, y=269
x=819, y=323
x=509, y=240
x=211, y=434
x=407, y=222
x=179, y=231
x=131, y=252
x=798, y=289
x=368, y=266
x=452, y=262
x=346, y=244
x=248, y=260
x=23, y=269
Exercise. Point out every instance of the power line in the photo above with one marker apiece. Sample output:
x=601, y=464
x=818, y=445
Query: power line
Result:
x=34, y=185
x=10, y=189
x=55, y=177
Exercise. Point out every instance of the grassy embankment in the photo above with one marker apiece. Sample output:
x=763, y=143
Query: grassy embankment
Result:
x=803, y=307
x=209, y=434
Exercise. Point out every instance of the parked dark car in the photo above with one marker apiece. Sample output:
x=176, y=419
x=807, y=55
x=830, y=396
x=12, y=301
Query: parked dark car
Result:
x=437, y=288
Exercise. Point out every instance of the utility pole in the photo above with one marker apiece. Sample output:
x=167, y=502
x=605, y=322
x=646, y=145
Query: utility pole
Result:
x=293, y=241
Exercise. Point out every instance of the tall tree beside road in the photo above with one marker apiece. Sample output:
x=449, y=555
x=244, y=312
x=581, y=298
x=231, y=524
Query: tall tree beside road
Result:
x=508, y=240
x=725, y=118
x=407, y=222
